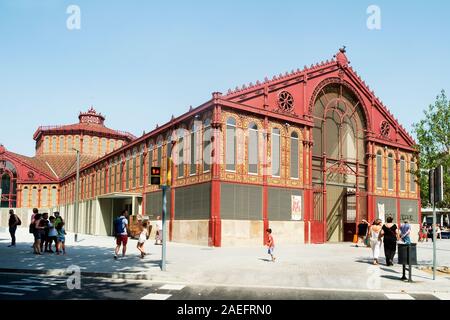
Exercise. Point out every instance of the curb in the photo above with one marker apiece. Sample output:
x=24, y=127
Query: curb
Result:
x=107, y=275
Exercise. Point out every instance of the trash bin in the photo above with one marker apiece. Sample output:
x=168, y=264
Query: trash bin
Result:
x=407, y=254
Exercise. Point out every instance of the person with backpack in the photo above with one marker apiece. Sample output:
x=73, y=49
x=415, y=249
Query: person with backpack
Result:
x=13, y=222
x=121, y=233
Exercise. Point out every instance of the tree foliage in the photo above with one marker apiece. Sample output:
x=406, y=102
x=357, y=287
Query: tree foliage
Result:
x=433, y=137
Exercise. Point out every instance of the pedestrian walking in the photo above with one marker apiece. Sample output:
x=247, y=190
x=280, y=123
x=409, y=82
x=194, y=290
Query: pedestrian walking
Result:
x=13, y=222
x=270, y=244
x=438, y=232
x=375, y=242
x=61, y=239
x=389, y=232
x=159, y=231
x=363, y=227
x=144, y=235
x=121, y=232
x=31, y=228
x=405, y=232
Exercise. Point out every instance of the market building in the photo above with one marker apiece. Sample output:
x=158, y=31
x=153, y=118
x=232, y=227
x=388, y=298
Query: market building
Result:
x=308, y=153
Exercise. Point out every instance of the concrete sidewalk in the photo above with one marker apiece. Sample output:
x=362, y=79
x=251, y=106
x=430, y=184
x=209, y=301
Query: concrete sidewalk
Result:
x=330, y=266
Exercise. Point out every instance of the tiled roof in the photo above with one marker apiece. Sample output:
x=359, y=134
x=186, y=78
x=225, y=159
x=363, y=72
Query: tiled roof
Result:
x=64, y=165
x=85, y=127
x=55, y=166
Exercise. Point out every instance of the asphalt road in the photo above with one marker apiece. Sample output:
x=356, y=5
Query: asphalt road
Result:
x=38, y=287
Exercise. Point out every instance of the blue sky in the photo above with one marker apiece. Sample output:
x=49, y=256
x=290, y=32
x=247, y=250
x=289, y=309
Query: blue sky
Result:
x=139, y=62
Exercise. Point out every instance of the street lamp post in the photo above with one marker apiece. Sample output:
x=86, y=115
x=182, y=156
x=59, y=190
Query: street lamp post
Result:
x=77, y=188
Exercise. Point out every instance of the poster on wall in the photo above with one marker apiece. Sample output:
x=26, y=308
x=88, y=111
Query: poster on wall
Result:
x=296, y=208
x=381, y=212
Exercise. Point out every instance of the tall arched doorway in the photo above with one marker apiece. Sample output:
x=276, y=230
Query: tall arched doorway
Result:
x=8, y=185
x=339, y=162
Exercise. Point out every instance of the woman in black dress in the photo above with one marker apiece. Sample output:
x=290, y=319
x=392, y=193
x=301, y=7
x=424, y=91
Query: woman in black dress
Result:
x=390, y=234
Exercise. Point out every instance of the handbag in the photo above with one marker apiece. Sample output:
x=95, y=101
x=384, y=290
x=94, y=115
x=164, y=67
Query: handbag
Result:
x=355, y=238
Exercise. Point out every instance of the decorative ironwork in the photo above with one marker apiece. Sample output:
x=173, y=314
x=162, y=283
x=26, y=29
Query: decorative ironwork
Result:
x=285, y=101
x=385, y=128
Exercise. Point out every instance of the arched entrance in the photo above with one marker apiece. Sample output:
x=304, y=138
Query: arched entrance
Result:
x=8, y=185
x=339, y=164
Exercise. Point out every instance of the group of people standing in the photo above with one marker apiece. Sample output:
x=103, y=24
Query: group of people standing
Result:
x=47, y=230
x=387, y=234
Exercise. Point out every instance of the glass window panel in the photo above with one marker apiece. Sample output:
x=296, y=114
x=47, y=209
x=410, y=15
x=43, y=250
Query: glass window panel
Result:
x=294, y=156
x=207, y=146
x=379, y=170
x=413, y=177
x=390, y=172
x=402, y=174
x=231, y=145
x=253, y=149
x=180, y=157
x=61, y=144
x=276, y=152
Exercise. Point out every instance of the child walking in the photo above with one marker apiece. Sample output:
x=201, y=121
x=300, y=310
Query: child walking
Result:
x=142, y=237
x=61, y=238
x=270, y=244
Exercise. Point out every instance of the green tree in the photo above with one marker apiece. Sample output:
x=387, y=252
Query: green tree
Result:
x=433, y=137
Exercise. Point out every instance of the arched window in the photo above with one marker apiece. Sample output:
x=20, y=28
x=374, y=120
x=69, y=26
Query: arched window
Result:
x=111, y=145
x=34, y=197
x=412, y=176
x=54, y=143
x=379, y=170
x=110, y=176
x=402, y=174
x=207, y=147
x=54, y=196
x=103, y=146
x=69, y=144
x=391, y=171
x=231, y=145
x=127, y=173
x=134, y=168
x=46, y=144
x=61, y=144
x=193, y=162
x=180, y=153
x=77, y=142
x=44, y=201
x=159, y=155
x=25, y=197
x=95, y=146
x=294, y=155
x=276, y=154
x=86, y=144
x=253, y=148
x=141, y=166
x=150, y=161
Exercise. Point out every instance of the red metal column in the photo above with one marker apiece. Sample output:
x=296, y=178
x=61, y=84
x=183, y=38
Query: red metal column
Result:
x=324, y=200
x=265, y=188
x=215, y=225
x=306, y=216
x=357, y=197
x=397, y=184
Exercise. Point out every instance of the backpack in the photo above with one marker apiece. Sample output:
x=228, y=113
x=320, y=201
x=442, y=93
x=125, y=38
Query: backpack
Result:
x=19, y=222
x=119, y=228
x=32, y=227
